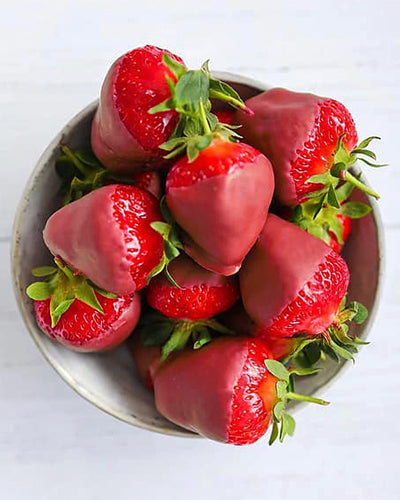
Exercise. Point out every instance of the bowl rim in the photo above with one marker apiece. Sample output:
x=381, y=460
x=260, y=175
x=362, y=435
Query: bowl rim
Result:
x=64, y=374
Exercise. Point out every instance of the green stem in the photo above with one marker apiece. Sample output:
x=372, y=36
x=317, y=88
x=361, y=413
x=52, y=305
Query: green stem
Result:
x=309, y=399
x=71, y=156
x=204, y=121
x=347, y=176
x=230, y=100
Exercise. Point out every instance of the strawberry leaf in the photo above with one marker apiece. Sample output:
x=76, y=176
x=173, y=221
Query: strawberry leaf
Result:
x=39, y=290
x=355, y=209
x=43, y=271
x=58, y=311
x=361, y=312
x=274, y=432
x=277, y=369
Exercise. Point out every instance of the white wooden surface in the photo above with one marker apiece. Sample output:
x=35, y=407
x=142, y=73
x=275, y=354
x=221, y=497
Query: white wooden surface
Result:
x=54, y=55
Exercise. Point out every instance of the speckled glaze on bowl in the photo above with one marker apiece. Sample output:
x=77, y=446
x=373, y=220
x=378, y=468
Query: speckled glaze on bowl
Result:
x=109, y=380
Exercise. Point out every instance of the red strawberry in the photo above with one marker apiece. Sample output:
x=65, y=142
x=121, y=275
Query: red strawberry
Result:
x=107, y=235
x=125, y=136
x=224, y=116
x=69, y=310
x=345, y=222
x=304, y=136
x=299, y=291
x=188, y=306
x=220, y=199
x=146, y=359
x=201, y=293
x=226, y=391
x=148, y=181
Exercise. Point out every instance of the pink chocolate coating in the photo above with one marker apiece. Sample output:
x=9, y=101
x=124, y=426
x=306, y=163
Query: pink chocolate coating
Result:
x=223, y=215
x=84, y=235
x=112, y=143
x=281, y=124
x=194, y=388
x=188, y=274
x=146, y=359
x=281, y=262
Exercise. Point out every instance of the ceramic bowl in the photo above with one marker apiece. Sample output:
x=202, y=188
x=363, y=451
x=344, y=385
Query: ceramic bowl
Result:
x=109, y=380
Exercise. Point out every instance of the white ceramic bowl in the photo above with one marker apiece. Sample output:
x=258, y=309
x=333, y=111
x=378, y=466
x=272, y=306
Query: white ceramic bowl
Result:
x=109, y=380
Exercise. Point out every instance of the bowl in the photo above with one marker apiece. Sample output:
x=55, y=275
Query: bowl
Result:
x=109, y=380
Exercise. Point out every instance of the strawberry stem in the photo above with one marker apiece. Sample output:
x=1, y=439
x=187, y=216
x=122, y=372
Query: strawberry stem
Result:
x=309, y=399
x=203, y=118
x=347, y=176
x=231, y=100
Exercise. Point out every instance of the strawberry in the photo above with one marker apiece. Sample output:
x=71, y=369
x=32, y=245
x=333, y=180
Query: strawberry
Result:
x=187, y=308
x=146, y=359
x=220, y=199
x=345, y=223
x=301, y=291
x=81, y=172
x=72, y=311
x=310, y=140
x=201, y=294
x=148, y=181
x=229, y=390
x=107, y=236
x=125, y=136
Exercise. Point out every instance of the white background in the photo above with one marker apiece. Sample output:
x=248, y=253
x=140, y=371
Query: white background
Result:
x=53, y=57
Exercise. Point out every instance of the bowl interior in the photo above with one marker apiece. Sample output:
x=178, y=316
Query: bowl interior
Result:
x=109, y=380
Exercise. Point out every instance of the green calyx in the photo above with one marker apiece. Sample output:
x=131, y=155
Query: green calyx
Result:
x=172, y=244
x=282, y=423
x=320, y=221
x=343, y=160
x=176, y=334
x=190, y=97
x=335, y=342
x=80, y=173
x=63, y=286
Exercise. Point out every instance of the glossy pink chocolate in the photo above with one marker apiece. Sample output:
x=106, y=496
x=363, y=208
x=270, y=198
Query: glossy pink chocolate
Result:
x=187, y=274
x=223, y=215
x=146, y=359
x=280, y=126
x=84, y=234
x=281, y=262
x=194, y=388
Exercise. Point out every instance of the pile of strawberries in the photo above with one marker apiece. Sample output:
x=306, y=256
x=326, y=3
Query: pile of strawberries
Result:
x=220, y=250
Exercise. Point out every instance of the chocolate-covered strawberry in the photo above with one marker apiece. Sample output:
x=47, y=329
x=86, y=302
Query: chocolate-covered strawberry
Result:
x=310, y=140
x=229, y=390
x=292, y=283
x=147, y=358
x=220, y=199
x=187, y=307
x=125, y=136
x=107, y=236
x=79, y=315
